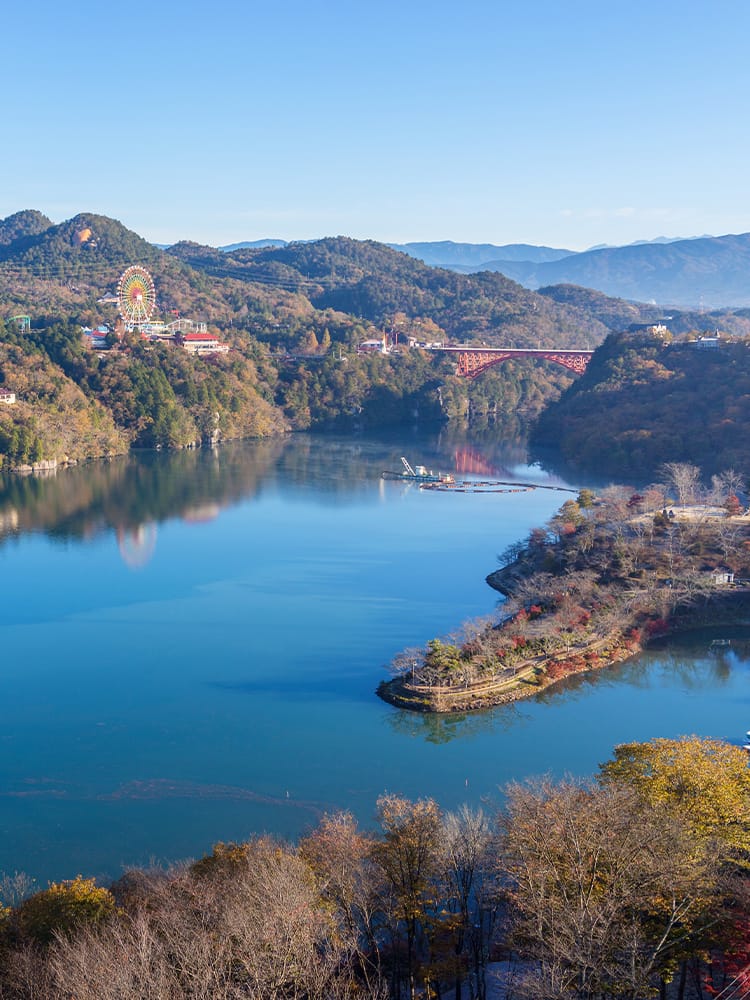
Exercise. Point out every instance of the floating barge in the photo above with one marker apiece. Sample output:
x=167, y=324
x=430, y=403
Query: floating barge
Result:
x=419, y=474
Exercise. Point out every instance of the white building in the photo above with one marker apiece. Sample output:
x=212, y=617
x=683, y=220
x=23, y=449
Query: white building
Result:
x=372, y=347
x=203, y=343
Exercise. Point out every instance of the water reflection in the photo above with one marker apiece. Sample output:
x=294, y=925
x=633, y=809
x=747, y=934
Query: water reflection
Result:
x=137, y=546
x=679, y=659
x=135, y=493
x=444, y=728
x=127, y=493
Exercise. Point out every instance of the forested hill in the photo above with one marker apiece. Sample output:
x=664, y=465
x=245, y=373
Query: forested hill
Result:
x=369, y=280
x=62, y=270
x=51, y=269
x=280, y=292
x=314, y=301
x=620, y=314
x=643, y=402
x=374, y=282
x=26, y=223
x=81, y=245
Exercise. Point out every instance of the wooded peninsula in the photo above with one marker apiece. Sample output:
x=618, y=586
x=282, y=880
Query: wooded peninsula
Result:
x=606, y=574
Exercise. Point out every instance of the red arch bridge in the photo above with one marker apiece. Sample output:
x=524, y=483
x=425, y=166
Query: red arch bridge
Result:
x=472, y=361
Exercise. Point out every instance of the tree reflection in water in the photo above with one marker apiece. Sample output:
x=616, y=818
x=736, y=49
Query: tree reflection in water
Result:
x=438, y=729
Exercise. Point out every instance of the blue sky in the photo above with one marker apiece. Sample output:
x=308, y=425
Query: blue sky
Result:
x=561, y=123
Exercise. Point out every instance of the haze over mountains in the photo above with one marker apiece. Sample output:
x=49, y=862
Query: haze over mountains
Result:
x=698, y=272
x=707, y=272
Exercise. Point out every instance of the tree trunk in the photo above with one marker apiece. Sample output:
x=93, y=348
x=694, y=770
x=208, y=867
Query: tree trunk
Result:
x=683, y=980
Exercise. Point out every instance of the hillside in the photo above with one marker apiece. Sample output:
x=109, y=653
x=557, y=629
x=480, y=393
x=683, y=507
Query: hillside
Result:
x=281, y=292
x=642, y=403
x=620, y=314
x=73, y=403
x=706, y=272
x=371, y=281
x=275, y=291
x=63, y=270
x=293, y=317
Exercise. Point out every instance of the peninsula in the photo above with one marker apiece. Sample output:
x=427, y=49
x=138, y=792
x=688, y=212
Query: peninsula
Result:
x=605, y=575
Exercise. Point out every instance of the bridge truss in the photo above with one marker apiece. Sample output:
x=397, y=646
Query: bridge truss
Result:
x=472, y=361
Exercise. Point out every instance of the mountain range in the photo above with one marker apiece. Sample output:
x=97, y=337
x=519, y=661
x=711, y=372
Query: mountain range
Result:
x=703, y=272
x=707, y=272
x=65, y=268
x=293, y=317
x=353, y=288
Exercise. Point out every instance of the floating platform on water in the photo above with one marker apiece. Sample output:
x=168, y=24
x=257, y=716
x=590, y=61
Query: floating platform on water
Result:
x=490, y=486
x=431, y=478
x=419, y=474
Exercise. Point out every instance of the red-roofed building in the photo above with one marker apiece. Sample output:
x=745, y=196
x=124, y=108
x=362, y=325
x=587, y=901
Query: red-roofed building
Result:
x=202, y=343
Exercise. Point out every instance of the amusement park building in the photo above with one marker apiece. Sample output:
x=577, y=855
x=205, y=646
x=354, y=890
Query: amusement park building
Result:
x=202, y=343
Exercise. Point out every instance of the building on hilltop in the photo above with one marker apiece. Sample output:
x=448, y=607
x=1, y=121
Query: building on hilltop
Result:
x=706, y=343
x=658, y=329
x=7, y=397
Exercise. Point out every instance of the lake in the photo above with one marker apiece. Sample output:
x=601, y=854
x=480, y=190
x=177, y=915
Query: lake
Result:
x=190, y=646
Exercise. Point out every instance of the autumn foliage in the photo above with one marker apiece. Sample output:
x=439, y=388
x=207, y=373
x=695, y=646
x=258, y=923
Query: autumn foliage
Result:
x=623, y=887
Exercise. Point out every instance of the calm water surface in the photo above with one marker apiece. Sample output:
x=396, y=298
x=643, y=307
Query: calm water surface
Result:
x=189, y=647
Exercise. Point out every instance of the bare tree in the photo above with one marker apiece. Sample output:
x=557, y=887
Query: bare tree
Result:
x=725, y=484
x=585, y=864
x=685, y=479
x=406, y=663
x=469, y=888
x=15, y=888
x=339, y=855
x=511, y=553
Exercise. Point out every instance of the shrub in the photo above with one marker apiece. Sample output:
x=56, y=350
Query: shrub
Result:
x=63, y=908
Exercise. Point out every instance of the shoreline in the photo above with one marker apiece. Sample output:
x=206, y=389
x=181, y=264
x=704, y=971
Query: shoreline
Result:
x=532, y=677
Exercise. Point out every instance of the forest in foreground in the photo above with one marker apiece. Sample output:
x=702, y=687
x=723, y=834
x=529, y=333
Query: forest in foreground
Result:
x=633, y=885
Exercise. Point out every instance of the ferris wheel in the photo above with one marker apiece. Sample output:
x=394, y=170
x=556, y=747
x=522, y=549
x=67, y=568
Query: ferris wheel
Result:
x=136, y=295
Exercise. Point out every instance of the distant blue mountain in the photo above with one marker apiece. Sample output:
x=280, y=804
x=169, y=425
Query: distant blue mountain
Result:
x=703, y=271
x=711, y=272
x=253, y=245
x=473, y=256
